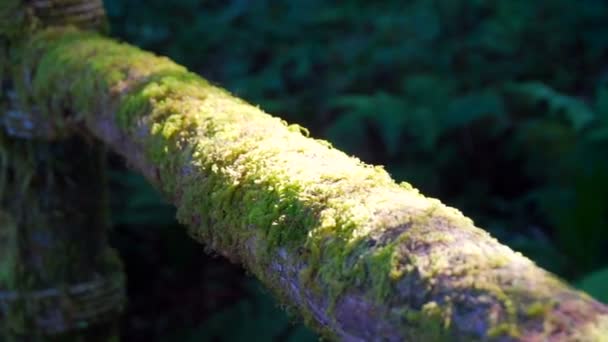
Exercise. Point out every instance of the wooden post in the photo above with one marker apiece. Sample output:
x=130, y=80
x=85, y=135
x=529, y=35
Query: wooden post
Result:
x=59, y=279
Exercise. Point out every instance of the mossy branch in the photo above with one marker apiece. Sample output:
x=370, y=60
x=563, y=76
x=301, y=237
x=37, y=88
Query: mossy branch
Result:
x=338, y=241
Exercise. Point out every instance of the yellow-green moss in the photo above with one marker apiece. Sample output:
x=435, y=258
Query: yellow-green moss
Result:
x=504, y=330
x=539, y=309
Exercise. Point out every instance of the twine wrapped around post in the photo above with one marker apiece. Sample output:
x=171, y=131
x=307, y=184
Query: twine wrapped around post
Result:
x=88, y=14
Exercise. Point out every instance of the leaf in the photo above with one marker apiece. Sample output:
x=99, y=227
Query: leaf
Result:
x=257, y=315
x=424, y=22
x=596, y=284
x=601, y=103
x=386, y=112
x=578, y=113
x=599, y=134
x=469, y=108
x=136, y=202
x=428, y=89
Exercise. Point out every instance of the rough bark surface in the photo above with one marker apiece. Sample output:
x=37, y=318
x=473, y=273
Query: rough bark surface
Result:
x=338, y=241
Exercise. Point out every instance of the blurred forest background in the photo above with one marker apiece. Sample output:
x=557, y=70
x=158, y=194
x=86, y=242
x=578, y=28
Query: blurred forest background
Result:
x=499, y=108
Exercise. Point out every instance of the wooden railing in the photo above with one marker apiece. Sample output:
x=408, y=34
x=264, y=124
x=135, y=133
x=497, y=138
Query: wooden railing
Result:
x=357, y=255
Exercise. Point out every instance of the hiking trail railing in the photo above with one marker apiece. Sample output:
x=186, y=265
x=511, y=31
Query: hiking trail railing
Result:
x=356, y=255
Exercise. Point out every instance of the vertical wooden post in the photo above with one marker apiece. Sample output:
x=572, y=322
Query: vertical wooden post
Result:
x=59, y=279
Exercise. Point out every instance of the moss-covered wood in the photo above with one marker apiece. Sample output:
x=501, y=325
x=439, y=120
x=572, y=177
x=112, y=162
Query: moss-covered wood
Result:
x=338, y=241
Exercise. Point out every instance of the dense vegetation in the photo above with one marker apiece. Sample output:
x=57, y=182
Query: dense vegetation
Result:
x=499, y=108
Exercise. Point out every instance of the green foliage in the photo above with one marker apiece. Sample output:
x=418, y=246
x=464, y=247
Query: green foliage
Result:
x=575, y=112
x=135, y=202
x=499, y=108
x=270, y=323
x=595, y=284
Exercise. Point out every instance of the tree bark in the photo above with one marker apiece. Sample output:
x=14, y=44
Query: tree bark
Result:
x=337, y=241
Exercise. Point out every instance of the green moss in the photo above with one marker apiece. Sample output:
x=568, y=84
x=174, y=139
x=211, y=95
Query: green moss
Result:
x=435, y=322
x=297, y=128
x=243, y=191
x=110, y=67
x=504, y=330
x=539, y=309
x=432, y=322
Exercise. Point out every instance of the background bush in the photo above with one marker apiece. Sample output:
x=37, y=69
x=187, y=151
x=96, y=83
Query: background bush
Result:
x=499, y=108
